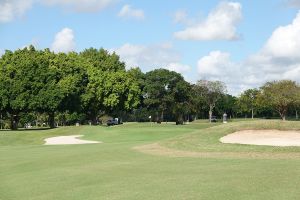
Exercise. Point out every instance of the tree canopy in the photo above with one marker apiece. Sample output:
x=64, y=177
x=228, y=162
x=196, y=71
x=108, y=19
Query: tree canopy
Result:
x=63, y=88
x=166, y=91
x=45, y=82
x=248, y=101
x=280, y=95
x=211, y=92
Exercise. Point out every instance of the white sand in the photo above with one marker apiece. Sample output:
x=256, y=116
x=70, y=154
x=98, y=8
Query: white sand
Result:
x=264, y=137
x=72, y=139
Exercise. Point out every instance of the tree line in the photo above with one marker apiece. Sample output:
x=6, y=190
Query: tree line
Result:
x=40, y=86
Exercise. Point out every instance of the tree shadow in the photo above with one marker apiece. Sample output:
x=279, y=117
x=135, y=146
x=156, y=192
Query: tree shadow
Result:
x=28, y=129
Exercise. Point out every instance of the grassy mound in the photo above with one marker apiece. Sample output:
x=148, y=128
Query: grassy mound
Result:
x=207, y=140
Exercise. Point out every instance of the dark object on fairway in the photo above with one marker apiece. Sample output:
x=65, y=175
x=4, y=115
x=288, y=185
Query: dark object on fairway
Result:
x=112, y=122
x=179, y=122
x=214, y=119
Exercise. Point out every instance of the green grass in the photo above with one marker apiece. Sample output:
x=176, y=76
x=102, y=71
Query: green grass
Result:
x=207, y=140
x=113, y=170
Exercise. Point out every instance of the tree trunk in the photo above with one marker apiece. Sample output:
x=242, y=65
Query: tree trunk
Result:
x=282, y=112
x=51, y=120
x=179, y=120
x=1, y=122
x=282, y=115
x=252, y=113
x=93, y=118
x=13, y=122
x=210, y=112
x=158, y=120
x=162, y=116
x=297, y=114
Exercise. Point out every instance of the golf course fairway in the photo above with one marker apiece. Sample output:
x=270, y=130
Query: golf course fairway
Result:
x=121, y=167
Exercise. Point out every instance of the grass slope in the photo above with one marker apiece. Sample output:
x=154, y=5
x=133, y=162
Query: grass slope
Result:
x=112, y=170
x=207, y=140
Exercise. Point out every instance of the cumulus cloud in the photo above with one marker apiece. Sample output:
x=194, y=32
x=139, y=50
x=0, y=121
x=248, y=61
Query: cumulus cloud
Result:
x=285, y=41
x=217, y=65
x=64, y=41
x=11, y=9
x=151, y=57
x=220, y=24
x=278, y=59
x=80, y=5
x=128, y=12
x=147, y=57
x=178, y=67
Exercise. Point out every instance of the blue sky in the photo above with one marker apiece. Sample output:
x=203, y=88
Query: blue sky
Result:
x=242, y=43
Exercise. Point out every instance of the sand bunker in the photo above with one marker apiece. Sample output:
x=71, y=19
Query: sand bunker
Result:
x=264, y=137
x=72, y=139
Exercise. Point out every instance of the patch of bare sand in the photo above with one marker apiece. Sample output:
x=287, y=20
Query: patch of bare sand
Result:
x=264, y=137
x=158, y=150
x=71, y=139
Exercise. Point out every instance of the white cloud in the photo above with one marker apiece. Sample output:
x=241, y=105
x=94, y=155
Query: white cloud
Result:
x=215, y=64
x=128, y=12
x=218, y=66
x=178, y=67
x=219, y=25
x=64, y=41
x=11, y=9
x=147, y=57
x=285, y=41
x=249, y=73
x=293, y=73
x=151, y=57
x=80, y=5
x=278, y=59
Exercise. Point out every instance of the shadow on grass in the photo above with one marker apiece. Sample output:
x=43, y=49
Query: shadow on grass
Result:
x=28, y=129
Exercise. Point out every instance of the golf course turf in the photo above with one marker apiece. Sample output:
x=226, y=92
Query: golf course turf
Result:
x=117, y=169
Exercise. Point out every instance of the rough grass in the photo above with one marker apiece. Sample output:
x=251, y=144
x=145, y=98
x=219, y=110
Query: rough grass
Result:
x=113, y=170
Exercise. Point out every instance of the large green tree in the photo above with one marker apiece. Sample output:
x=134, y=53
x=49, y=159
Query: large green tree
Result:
x=166, y=91
x=227, y=104
x=17, y=72
x=182, y=100
x=63, y=78
x=110, y=87
x=212, y=91
x=281, y=95
x=247, y=101
x=40, y=81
